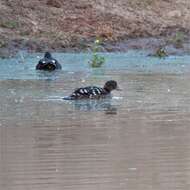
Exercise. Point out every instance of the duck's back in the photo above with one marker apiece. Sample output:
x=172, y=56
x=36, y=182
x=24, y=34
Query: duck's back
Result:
x=48, y=64
x=91, y=92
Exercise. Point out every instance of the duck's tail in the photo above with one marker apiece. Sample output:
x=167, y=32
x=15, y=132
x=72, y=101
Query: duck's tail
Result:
x=68, y=98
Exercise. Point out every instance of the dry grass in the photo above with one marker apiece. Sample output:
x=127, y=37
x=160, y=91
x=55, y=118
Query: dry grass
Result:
x=73, y=20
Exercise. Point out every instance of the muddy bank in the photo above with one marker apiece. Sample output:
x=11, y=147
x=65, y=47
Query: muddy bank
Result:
x=150, y=44
x=72, y=25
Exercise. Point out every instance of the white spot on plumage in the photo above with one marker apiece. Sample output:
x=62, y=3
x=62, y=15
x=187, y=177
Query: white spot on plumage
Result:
x=85, y=91
x=53, y=61
x=98, y=91
x=81, y=91
x=94, y=92
x=43, y=62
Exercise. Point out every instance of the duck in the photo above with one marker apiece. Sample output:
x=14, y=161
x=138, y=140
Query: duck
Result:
x=93, y=92
x=48, y=63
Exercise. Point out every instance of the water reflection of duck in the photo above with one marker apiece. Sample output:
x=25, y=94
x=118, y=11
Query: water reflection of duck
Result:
x=48, y=63
x=93, y=92
x=96, y=105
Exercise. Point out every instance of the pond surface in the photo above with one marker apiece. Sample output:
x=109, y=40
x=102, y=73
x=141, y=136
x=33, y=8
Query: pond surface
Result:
x=138, y=140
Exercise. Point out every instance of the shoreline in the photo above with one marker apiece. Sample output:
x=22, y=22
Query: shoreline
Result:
x=151, y=44
x=73, y=26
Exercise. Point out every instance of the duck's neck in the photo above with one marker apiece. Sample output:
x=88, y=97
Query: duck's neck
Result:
x=107, y=90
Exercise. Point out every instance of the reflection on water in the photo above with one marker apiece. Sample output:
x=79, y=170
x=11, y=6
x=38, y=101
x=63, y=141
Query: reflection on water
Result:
x=137, y=140
x=95, y=105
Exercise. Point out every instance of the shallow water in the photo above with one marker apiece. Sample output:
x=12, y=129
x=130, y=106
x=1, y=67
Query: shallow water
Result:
x=137, y=140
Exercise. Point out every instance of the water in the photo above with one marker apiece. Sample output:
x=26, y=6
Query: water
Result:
x=137, y=140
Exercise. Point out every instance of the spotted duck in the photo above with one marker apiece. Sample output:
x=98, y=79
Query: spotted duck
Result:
x=48, y=63
x=93, y=92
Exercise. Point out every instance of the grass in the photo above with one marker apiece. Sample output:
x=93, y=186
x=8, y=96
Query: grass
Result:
x=11, y=24
x=25, y=32
x=178, y=39
x=2, y=44
x=142, y=3
x=97, y=60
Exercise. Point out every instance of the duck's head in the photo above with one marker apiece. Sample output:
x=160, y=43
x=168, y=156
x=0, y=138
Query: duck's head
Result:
x=47, y=55
x=111, y=85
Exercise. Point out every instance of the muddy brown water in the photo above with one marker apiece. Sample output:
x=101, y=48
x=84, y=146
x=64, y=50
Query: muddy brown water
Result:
x=137, y=140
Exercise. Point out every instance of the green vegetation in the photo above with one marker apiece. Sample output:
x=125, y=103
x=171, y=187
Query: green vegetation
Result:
x=25, y=32
x=11, y=24
x=2, y=44
x=142, y=3
x=97, y=60
x=178, y=39
x=160, y=53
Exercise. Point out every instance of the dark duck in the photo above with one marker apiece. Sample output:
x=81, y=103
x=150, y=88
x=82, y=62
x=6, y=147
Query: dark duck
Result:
x=48, y=63
x=93, y=92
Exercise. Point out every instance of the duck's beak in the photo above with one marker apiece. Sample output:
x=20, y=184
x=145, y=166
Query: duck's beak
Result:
x=118, y=89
